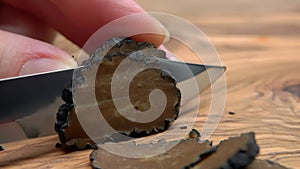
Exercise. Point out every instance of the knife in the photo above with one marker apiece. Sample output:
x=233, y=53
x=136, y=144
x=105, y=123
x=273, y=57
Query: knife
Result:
x=32, y=101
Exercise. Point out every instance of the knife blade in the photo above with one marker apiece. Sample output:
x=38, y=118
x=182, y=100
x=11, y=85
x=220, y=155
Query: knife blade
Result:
x=37, y=95
x=21, y=96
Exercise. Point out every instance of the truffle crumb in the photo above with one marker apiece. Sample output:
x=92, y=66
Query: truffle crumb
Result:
x=293, y=89
x=231, y=113
x=194, y=134
x=58, y=145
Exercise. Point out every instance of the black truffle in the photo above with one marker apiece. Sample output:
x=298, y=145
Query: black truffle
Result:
x=1, y=148
x=110, y=56
x=233, y=153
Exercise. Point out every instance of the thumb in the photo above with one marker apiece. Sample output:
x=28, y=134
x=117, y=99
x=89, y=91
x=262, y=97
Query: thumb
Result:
x=20, y=55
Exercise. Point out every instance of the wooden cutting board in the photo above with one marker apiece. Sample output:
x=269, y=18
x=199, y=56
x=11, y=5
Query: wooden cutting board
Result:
x=260, y=47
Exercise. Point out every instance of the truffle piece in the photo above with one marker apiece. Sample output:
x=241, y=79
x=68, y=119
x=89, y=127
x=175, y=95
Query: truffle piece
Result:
x=110, y=56
x=234, y=153
x=65, y=117
x=187, y=151
x=141, y=86
x=264, y=164
x=231, y=113
x=183, y=127
x=194, y=134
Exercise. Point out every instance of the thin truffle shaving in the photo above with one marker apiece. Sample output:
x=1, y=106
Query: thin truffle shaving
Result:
x=109, y=57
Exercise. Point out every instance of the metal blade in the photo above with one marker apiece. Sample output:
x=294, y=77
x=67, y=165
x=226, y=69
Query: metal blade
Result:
x=183, y=71
x=33, y=100
x=22, y=96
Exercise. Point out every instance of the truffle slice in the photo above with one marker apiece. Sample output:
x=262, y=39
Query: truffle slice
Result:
x=139, y=90
x=234, y=153
x=264, y=164
x=110, y=56
x=185, y=152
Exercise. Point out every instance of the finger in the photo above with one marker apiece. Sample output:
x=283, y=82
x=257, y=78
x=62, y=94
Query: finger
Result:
x=78, y=20
x=19, y=22
x=21, y=55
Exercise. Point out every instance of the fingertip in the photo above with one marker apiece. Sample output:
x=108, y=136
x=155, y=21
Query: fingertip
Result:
x=21, y=55
x=44, y=65
x=157, y=34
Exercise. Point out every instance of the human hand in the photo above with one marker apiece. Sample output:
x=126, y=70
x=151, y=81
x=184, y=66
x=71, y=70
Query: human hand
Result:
x=27, y=29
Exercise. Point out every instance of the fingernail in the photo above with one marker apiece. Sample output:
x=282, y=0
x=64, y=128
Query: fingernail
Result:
x=161, y=29
x=45, y=65
x=167, y=33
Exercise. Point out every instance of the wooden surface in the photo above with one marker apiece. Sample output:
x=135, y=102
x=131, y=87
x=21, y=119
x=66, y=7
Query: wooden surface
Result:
x=259, y=43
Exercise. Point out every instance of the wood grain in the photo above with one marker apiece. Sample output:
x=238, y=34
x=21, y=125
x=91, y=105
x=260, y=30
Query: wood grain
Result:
x=41, y=153
x=263, y=94
x=259, y=44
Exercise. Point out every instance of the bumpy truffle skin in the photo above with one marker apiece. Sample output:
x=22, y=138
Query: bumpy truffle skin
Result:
x=109, y=56
x=62, y=115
